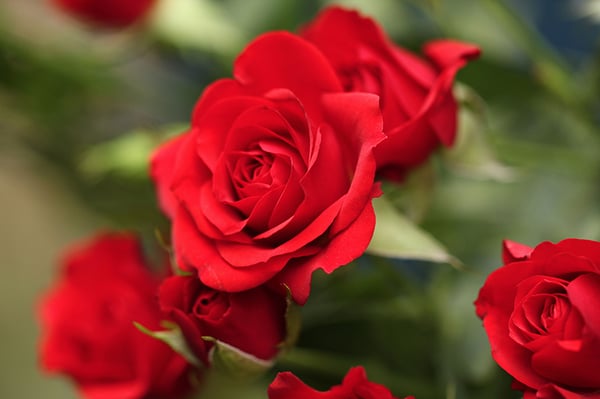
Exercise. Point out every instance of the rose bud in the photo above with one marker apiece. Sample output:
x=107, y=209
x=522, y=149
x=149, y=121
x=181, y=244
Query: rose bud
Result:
x=354, y=386
x=250, y=322
x=88, y=331
x=540, y=312
x=419, y=109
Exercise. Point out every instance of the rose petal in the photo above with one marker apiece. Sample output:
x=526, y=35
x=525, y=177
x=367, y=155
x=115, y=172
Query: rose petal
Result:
x=287, y=386
x=447, y=53
x=408, y=144
x=224, y=217
x=341, y=250
x=129, y=389
x=211, y=128
x=576, y=369
x=513, y=251
x=199, y=252
x=214, y=93
x=303, y=70
x=255, y=322
x=242, y=254
x=584, y=248
x=552, y=391
x=584, y=293
x=358, y=113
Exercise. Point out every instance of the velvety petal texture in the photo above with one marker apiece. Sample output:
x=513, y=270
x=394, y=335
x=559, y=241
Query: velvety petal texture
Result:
x=419, y=110
x=275, y=177
x=540, y=311
x=87, y=325
x=106, y=13
x=354, y=386
x=252, y=321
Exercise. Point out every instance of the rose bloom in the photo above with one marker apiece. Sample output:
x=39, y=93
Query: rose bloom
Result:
x=106, y=13
x=354, y=386
x=541, y=313
x=275, y=177
x=252, y=321
x=87, y=325
x=419, y=109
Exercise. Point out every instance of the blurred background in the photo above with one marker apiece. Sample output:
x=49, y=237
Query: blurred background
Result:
x=81, y=108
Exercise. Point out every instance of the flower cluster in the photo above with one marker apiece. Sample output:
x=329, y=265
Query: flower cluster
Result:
x=275, y=179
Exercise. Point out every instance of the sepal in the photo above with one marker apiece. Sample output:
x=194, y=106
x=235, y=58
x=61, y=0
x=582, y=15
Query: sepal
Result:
x=235, y=362
x=173, y=337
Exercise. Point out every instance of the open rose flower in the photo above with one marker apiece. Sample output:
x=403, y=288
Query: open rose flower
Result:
x=540, y=311
x=355, y=386
x=275, y=177
x=252, y=321
x=87, y=325
x=106, y=13
x=419, y=109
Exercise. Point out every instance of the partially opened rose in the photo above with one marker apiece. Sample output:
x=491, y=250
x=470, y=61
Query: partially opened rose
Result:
x=541, y=313
x=355, y=386
x=419, y=109
x=87, y=325
x=106, y=13
x=251, y=321
x=275, y=177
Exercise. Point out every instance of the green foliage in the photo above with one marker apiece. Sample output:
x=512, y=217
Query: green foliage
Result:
x=236, y=363
x=397, y=237
x=173, y=337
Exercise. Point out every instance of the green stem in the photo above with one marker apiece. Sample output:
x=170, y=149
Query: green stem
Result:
x=325, y=363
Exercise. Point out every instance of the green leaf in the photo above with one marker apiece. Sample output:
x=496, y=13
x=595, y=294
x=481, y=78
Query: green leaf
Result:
x=235, y=362
x=471, y=154
x=397, y=237
x=126, y=155
x=174, y=338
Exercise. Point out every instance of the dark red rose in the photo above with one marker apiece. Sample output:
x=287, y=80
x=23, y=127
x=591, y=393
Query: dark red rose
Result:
x=106, y=13
x=419, y=109
x=252, y=321
x=540, y=311
x=355, y=386
x=275, y=177
x=87, y=325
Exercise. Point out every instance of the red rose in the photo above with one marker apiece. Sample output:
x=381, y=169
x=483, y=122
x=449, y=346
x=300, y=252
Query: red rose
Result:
x=252, y=321
x=87, y=325
x=106, y=13
x=540, y=312
x=276, y=175
x=355, y=386
x=419, y=110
